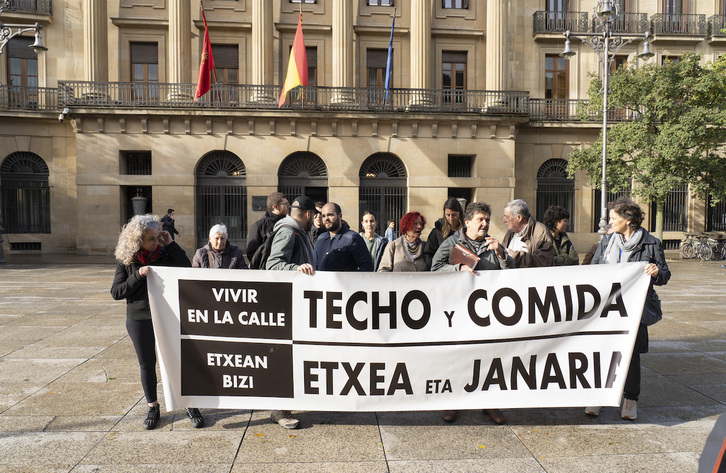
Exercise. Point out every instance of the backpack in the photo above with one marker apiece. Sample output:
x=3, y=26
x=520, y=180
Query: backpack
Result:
x=262, y=254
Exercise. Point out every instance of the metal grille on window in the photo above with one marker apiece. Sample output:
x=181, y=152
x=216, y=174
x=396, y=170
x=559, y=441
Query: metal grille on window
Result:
x=675, y=213
x=138, y=163
x=25, y=194
x=555, y=188
x=303, y=173
x=460, y=165
x=221, y=196
x=716, y=217
x=383, y=189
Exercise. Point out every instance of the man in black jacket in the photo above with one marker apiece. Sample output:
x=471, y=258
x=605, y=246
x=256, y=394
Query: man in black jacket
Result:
x=167, y=223
x=277, y=208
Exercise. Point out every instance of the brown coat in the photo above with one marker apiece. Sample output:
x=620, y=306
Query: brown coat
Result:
x=540, y=250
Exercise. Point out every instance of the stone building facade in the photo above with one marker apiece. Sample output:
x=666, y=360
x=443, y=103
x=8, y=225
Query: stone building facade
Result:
x=481, y=108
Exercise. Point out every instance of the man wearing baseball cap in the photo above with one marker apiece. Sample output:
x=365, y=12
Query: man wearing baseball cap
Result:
x=292, y=251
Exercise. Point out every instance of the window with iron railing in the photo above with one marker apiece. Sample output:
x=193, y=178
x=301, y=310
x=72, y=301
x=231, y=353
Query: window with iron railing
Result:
x=556, y=84
x=22, y=72
x=135, y=163
x=455, y=4
x=25, y=193
x=381, y=3
x=460, y=165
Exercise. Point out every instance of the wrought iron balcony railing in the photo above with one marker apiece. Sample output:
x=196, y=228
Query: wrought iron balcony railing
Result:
x=156, y=95
x=635, y=23
x=671, y=24
x=569, y=110
x=44, y=7
x=717, y=25
x=15, y=97
x=560, y=21
x=123, y=96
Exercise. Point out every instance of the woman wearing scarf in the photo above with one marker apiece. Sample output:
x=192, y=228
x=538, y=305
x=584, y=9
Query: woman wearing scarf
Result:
x=219, y=253
x=406, y=253
x=629, y=242
x=142, y=244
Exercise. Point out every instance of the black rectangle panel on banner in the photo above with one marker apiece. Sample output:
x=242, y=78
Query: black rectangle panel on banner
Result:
x=237, y=309
x=216, y=368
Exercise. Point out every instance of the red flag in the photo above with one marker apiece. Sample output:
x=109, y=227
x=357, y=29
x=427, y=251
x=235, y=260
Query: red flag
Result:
x=206, y=66
x=297, y=66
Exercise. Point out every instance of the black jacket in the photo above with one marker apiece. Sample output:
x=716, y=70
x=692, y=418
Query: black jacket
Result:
x=259, y=231
x=130, y=285
x=434, y=240
x=167, y=224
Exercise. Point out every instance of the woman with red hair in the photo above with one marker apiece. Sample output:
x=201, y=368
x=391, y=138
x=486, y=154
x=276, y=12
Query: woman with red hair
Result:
x=406, y=252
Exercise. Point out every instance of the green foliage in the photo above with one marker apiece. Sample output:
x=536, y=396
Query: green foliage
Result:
x=678, y=134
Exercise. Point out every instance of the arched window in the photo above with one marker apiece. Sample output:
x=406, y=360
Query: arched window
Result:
x=303, y=173
x=383, y=188
x=221, y=196
x=555, y=188
x=25, y=194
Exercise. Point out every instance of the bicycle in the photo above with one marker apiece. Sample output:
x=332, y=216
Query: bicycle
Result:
x=687, y=249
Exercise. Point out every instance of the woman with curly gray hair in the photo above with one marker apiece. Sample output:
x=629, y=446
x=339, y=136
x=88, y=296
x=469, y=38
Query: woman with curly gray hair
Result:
x=142, y=244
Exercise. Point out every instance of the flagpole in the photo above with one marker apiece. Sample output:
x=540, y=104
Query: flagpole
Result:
x=214, y=69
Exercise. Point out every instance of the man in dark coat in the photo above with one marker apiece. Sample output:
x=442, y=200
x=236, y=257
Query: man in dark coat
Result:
x=167, y=223
x=277, y=208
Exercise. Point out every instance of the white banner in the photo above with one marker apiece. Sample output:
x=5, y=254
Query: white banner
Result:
x=543, y=337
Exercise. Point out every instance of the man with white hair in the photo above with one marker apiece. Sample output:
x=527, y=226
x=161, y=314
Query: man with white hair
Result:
x=219, y=253
x=527, y=241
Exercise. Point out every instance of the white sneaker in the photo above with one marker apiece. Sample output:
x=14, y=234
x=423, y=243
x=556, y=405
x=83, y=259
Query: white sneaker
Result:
x=630, y=409
x=592, y=411
x=284, y=419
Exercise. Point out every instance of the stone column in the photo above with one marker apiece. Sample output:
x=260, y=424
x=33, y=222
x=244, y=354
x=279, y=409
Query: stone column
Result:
x=342, y=50
x=421, y=12
x=496, y=46
x=262, y=48
x=95, y=47
x=180, y=46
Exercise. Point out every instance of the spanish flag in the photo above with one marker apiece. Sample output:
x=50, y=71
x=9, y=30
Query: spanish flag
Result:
x=206, y=66
x=297, y=67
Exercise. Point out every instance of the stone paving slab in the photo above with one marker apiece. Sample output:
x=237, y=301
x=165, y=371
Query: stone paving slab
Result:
x=70, y=399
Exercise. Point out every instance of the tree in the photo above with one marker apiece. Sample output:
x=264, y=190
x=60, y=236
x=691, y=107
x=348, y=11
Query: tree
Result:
x=676, y=136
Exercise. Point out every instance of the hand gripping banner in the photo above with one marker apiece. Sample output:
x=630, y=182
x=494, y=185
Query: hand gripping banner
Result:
x=542, y=337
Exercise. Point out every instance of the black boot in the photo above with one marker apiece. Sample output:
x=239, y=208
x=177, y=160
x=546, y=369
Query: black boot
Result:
x=195, y=417
x=152, y=418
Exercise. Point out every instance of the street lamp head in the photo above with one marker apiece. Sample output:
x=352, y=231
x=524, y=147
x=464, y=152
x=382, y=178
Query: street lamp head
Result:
x=568, y=52
x=606, y=10
x=647, y=53
x=37, y=46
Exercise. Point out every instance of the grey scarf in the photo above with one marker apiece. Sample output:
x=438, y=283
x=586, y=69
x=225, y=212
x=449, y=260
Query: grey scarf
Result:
x=619, y=250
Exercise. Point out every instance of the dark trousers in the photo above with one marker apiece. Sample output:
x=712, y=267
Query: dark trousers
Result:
x=142, y=335
x=632, y=381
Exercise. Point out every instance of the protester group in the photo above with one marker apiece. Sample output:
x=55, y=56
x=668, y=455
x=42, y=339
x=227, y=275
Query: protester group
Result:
x=308, y=236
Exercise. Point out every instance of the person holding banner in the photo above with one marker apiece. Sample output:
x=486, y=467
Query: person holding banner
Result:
x=629, y=242
x=219, y=253
x=474, y=237
x=292, y=251
x=142, y=244
x=374, y=242
x=405, y=254
x=340, y=248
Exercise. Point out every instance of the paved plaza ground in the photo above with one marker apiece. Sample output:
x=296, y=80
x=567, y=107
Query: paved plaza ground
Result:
x=70, y=398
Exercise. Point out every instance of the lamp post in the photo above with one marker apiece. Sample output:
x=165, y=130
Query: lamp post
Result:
x=606, y=45
x=7, y=32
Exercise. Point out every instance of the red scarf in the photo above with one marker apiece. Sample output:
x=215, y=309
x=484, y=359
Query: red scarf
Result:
x=147, y=257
